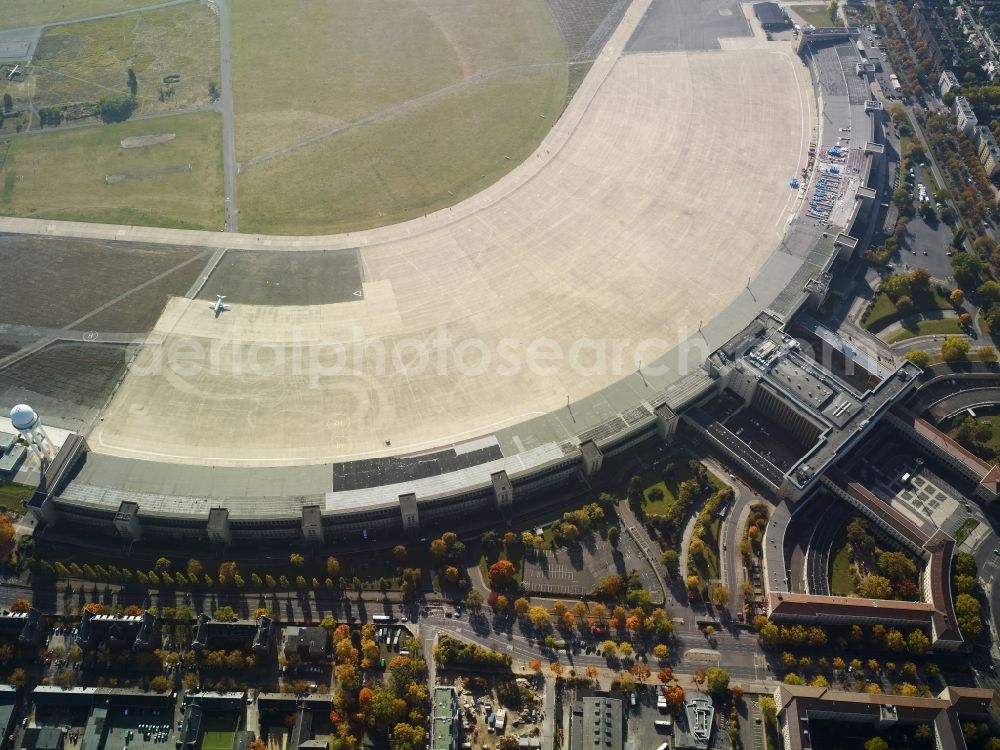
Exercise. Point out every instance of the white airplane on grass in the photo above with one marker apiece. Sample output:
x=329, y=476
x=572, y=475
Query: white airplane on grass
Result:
x=218, y=307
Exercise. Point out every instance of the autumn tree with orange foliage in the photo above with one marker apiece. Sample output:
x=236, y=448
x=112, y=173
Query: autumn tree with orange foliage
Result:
x=674, y=696
x=6, y=529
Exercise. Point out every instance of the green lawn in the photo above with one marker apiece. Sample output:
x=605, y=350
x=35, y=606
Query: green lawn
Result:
x=654, y=480
x=412, y=109
x=967, y=527
x=708, y=566
x=817, y=15
x=407, y=165
x=18, y=13
x=84, y=62
x=219, y=731
x=991, y=448
x=841, y=577
x=485, y=561
x=883, y=311
x=11, y=495
x=941, y=326
x=86, y=175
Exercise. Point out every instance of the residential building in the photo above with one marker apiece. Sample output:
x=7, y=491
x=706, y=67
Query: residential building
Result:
x=307, y=642
x=948, y=82
x=967, y=120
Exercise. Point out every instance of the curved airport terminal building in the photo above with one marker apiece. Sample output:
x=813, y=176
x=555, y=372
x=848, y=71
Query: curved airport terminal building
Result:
x=660, y=252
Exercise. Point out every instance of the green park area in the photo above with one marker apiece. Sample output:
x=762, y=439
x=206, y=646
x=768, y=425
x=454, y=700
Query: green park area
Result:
x=160, y=172
x=841, y=576
x=171, y=52
x=661, y=485
x=19, y=13
x=978, y=434
x=349, y=117
x=11, y=495
x=928, y=327
x=968, y=526
x=219, y=731
x=817, y=15
x=900, y=296
x=860, y=567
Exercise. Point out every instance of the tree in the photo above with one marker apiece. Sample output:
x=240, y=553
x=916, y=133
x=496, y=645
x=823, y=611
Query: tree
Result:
x=20, y=606
x=717, y=681
x=896, y=287
x=116, y=108
x=967, y=612
x=793, y=679
x=671, y=561
x=439, y=549
x=539, y=617
x=8, y=103
x=407, y=737
x=967, y=268
x=918, y=357
x=875, y=587
x=162, y=565
x=954, y=349
x=674, y=695
x=6, y=529
x=876, y=743
x=507, y=742
x=957, y=298
x=917, y=643
x=194, y=569
x=227, y=572
x=296, y=560
x=133, y=83
x=920, y=281
x=474, y=600
x=719, y=595
x=896, y=565
x=332, y=566
x=501, y=572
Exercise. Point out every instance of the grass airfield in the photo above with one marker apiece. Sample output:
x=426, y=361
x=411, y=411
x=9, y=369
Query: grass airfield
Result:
x=86, y=175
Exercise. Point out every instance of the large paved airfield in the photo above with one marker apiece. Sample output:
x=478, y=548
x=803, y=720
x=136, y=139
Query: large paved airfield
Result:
x=662, y=189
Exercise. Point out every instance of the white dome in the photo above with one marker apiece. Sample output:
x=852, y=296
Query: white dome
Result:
x=23, y=417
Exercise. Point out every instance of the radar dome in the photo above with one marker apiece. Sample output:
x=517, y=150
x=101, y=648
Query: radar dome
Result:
x=23, y=417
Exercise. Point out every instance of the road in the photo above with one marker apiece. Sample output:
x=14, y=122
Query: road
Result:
x=230, y=168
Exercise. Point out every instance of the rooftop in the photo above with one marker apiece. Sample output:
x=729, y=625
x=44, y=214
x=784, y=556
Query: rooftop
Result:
x=796, y=702
x=840, y=413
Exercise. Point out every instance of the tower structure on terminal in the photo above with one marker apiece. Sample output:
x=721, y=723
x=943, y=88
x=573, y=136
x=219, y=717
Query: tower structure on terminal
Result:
x=26, y=421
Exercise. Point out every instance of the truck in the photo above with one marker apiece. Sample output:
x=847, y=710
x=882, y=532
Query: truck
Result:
x=501, y=721
x=894, y=80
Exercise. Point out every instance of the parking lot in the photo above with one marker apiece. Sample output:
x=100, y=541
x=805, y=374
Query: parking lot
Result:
x=139, y=729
